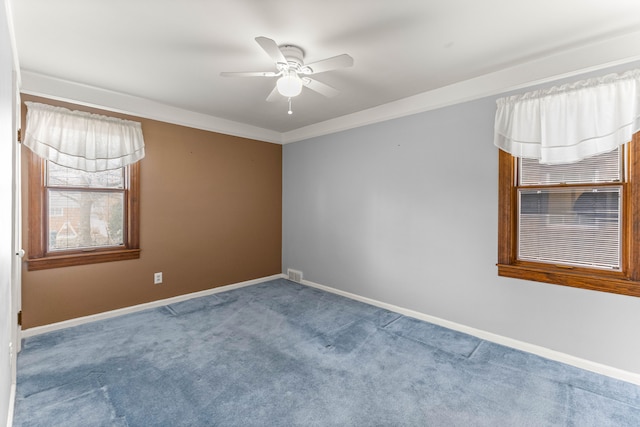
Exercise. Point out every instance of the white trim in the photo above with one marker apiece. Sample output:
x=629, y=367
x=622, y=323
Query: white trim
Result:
x=63, y=90
x=488, y=336
x=12, y=36
x=495, y=338
x=12, y=404
x=602, y=54
x=135, y=308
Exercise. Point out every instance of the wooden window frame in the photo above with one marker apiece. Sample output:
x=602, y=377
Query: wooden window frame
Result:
x=38, y=256
x=625, y=282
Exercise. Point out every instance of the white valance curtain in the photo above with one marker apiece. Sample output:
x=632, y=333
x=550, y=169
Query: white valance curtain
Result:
x=568, y=123
x=81, y=140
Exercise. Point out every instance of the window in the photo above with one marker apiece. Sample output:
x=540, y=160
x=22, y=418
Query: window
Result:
x=571, y=214
x=78, y=217
x=572, y=224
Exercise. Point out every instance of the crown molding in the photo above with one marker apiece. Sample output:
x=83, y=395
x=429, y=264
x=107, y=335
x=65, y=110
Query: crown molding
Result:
x=611, y=52
x=567, y=63
x=90, y=96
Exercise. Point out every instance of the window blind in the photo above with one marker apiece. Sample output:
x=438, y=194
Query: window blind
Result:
x=602, y=168
x=571, y=214
x=572, y=226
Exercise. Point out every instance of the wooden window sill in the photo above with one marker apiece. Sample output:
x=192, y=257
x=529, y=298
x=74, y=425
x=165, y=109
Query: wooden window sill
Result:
x=607, y=282
x=69, y=260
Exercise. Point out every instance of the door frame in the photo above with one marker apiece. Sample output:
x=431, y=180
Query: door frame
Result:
x=16, y=267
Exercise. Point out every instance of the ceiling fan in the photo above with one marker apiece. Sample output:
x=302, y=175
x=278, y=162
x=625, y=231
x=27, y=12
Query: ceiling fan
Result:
x=293, y=72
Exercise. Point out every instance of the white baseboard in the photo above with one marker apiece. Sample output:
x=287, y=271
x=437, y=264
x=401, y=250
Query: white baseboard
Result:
x=12, y=404
x=488, y=336
x=495, y=338
x=153, y=304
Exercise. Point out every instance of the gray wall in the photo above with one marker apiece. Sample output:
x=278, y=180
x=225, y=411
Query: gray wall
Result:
x=405, y=212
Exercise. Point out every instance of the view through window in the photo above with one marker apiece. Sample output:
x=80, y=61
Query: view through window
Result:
x=85, y=209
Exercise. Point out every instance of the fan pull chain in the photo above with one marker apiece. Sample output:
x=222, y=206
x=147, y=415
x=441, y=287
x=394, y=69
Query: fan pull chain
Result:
x=290, y=112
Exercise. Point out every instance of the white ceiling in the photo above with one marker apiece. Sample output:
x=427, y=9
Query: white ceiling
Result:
x=165, y=56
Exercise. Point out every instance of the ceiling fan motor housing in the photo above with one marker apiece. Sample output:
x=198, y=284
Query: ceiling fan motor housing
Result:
x=294, y=55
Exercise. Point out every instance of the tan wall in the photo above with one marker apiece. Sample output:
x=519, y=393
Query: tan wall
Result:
x=211, y=215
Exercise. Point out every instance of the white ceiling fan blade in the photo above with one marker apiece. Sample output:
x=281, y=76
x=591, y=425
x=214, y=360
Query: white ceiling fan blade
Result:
x=272, y=49
x=274, y=95
x=248, y=74
x=340, y=61
x=321, y=88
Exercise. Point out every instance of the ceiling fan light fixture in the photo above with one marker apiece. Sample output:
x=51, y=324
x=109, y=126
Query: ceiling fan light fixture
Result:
x=289, y=85
x=292, y=72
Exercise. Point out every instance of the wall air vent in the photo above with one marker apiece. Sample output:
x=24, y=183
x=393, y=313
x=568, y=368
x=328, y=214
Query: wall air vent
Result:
x=294, y=275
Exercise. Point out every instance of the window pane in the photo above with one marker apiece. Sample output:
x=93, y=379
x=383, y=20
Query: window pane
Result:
x=60, y=176
x=85, y=219
x=605, y=167
x=572, y=226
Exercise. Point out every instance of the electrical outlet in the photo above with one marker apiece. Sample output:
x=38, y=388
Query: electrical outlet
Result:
x=157, y=278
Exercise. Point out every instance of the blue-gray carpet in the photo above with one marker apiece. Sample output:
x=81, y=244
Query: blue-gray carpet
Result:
x=283, y=354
